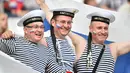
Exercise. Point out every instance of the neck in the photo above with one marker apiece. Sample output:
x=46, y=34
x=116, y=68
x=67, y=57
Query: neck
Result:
x=95, y=42
x=43, y=41
x=60, y=37
x=28, y=39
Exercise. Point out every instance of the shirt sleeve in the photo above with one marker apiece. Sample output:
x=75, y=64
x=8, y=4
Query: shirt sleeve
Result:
x=7, y=46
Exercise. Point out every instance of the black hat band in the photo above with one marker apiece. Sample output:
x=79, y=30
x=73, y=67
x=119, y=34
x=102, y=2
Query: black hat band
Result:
x=101, y=19
x=32, y=19
x=55, y=13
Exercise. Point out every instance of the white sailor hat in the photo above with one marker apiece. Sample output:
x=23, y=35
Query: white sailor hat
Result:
x=103, y=16
x=64, y=11
x=32, y=16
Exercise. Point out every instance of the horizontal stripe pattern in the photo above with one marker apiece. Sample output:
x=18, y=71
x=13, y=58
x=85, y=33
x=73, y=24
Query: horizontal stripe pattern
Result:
x=66, y=54
x=106, y=64
x=31, y=54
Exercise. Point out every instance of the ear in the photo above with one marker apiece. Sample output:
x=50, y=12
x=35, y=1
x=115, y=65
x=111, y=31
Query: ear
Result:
x=90, y=28
x=25, y=30
x=53, y=23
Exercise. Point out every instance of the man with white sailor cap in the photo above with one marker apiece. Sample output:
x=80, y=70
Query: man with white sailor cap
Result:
x=27, y=49
x=61, y=24
x=97, y=56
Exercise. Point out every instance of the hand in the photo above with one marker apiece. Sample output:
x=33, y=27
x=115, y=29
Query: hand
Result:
x=7, y=34
x=40, y=2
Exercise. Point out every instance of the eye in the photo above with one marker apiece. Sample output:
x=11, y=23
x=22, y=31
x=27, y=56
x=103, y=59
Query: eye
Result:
x=106, y=28
x=99, y=27
x=69, y=22
x=42, y=27
x=63, y=22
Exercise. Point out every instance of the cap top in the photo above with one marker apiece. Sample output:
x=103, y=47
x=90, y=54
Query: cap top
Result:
x=32, y=16
x=105, y=17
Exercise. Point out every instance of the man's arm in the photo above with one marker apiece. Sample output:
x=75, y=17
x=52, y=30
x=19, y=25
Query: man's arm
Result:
x=121, y=48
x=45, y=8
x=7, y=34
x=79, y=43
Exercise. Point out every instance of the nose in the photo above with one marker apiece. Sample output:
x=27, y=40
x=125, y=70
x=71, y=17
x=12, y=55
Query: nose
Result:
x=104, y=31
x=40, y=29
x=67, y=25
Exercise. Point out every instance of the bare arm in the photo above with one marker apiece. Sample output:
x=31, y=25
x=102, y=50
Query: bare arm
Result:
x=79, y=43
x=45, y=8
x=120, y=48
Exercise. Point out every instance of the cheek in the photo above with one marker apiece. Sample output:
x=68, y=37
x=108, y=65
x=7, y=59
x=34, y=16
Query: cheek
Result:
x=30, y=32
x=69, y=26
x=4, y=25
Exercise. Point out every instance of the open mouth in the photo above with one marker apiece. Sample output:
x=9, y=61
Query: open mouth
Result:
x=38, y=35
x=65, y=29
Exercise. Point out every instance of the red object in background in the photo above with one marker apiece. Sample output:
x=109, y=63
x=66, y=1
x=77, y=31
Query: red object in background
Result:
x=20, y=5
x=17, y=4
x=6, y=5
x=68, y=72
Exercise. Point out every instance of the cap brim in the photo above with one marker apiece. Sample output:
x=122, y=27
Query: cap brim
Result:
x=30, y=14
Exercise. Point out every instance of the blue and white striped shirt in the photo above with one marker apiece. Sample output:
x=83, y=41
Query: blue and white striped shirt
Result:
x=32, y=54
x=66, y=55
x=106, y=64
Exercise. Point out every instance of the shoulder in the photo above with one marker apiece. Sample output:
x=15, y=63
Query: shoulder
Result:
x=113, y=49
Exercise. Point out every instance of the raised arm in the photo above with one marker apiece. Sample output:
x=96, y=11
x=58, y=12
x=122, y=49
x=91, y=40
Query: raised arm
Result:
x=79, y=43
x=45, y=8
x=119, y=48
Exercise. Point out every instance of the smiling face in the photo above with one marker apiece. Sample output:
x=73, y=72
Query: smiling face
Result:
x=62, y=25
x=100, y=30
x=34, y=31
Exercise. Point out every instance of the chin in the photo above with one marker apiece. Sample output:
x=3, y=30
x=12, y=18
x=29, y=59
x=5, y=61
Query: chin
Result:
x=65, y=34
x=102, y=41
x=38, y=39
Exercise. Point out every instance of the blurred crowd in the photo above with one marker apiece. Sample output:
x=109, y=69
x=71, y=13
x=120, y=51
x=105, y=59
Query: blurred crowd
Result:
x=15, y=8
x=115, y=5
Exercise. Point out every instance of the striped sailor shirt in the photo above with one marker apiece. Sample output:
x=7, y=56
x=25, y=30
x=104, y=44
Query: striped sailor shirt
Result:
x=66, y=55
x=106, y=64
x=32, y=54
